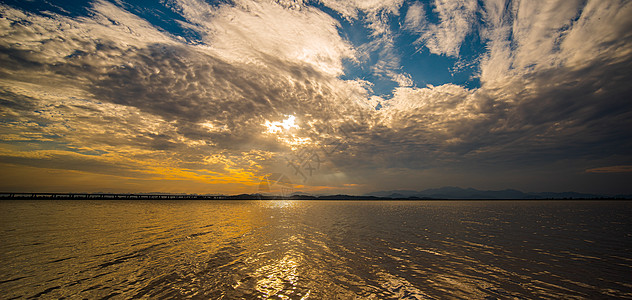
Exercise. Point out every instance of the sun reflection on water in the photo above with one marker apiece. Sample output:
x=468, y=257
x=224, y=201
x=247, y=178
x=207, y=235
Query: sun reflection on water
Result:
x=280, y=278
x=279, y=204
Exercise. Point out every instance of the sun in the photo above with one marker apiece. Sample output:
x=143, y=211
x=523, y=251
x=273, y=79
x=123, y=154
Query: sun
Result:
x=283, y=126
x=286, y=132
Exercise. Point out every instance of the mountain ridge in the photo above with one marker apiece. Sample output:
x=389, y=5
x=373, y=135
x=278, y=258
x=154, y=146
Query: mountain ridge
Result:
x=452, y=192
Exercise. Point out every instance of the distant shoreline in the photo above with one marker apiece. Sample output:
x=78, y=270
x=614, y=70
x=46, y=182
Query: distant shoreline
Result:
x=113, y=196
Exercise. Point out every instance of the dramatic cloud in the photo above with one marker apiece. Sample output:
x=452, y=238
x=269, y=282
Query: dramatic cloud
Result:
x=230, y=93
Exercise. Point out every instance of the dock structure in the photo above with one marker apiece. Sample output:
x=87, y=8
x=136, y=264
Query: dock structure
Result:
x=103, y=196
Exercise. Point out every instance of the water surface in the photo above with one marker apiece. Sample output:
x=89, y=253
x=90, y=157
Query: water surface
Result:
x=315, y=249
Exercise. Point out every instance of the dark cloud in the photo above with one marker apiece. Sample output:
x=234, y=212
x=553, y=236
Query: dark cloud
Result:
x=76, y=162
x=13, y=103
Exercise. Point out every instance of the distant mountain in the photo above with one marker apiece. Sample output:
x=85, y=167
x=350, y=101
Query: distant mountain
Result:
x=397, y=193
x=300, y=194
x=470, y=193
x=567, y=195
x=451, y=192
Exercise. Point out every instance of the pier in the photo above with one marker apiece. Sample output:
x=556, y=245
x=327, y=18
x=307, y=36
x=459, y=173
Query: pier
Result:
x=104, y=196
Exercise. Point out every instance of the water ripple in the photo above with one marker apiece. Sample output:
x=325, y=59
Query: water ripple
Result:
x=315, y=250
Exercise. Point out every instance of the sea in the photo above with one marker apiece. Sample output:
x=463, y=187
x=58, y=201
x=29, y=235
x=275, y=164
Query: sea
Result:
x=292, y=249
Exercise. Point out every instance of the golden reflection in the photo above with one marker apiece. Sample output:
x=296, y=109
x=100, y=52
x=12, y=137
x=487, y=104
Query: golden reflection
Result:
x=279, y=203
x=280, y=279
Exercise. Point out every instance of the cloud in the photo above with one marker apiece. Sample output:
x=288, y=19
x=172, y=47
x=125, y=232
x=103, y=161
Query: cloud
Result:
x=415, y=18
x=350, y=9
x=611, y=169
x=248, y=31
x=65, y=160
x=456, y=20
x=376, y=17
x=533, y=38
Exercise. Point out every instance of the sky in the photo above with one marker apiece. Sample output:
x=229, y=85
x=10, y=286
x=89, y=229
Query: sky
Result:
x=321, y=97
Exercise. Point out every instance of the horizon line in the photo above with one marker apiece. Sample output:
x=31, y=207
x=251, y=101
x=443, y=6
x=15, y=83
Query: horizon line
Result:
x=258, y=196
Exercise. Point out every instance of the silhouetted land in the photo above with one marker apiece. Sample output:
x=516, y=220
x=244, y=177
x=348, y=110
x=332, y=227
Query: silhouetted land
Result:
x=104, y=196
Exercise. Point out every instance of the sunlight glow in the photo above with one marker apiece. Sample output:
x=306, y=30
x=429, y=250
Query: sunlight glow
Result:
x=285, y=125
x=284, y=132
